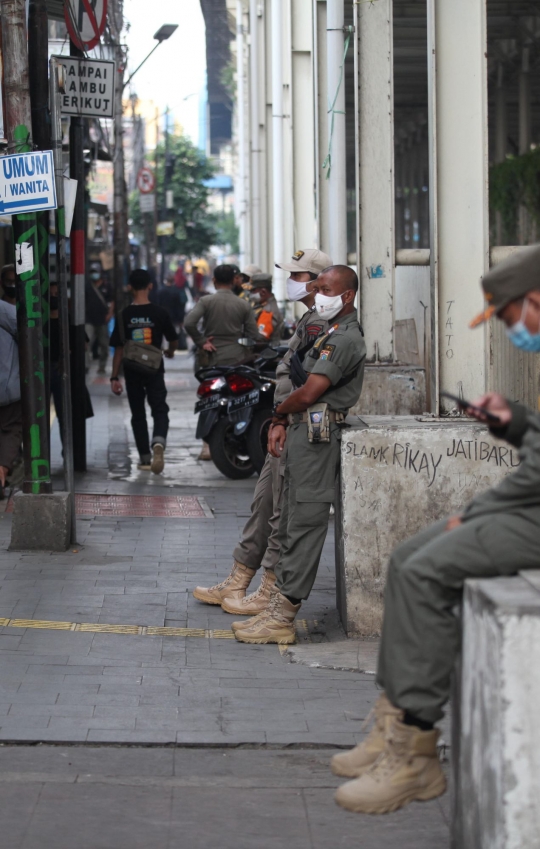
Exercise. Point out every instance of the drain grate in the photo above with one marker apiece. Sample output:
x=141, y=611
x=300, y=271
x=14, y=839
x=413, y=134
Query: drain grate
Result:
x=139, y=506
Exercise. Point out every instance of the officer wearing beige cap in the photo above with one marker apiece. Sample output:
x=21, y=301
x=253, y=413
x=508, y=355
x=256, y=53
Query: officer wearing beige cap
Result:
x=259, y=543
x=498, y=533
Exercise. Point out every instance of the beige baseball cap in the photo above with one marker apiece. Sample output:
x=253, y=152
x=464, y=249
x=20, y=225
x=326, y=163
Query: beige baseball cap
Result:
x=310, y=260
x=250, y=270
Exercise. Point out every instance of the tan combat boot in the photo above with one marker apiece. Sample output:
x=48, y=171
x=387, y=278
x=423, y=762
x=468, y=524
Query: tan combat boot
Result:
x=273, y=625
x=252, y=604
x=355, y=762
x=408, y=769
x=234, y=586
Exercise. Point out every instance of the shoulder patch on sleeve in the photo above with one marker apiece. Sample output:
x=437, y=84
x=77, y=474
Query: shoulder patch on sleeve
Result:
x=327, y=352
x=313, y=330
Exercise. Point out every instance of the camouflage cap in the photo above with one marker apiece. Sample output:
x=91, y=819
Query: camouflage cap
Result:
x=310, y=260
x=509, y=281
x=262, y=280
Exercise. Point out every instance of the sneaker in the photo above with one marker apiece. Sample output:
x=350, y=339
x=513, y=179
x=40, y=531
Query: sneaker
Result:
x=146, y=463
x=158, y=459
x=234, y=586
x=205, y=452
x=354, y=763
x=273, y=625
x=408, y=769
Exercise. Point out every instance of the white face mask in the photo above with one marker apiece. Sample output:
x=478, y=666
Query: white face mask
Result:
x=328, y=306
x=296, y=290
x=255, y=297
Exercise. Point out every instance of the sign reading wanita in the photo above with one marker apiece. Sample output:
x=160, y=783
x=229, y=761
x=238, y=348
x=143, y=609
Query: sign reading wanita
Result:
x=27, y=182
x=89, y=87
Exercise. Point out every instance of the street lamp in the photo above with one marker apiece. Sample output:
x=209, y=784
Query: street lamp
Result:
x=163, y=33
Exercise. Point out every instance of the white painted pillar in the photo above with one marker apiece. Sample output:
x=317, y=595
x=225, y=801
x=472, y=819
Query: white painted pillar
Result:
x=321, y=123
x=257, y=118
x=337, y=181
x=303, y=124
x=242, y=189
x=282, y=165
x=459, y=159
x=375, y=174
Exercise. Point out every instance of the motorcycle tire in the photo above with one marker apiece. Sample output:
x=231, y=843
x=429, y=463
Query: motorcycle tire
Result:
x=229, y=452
x=257, y=437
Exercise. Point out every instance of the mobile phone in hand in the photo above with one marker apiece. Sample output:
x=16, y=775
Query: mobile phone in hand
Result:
x=461, y=402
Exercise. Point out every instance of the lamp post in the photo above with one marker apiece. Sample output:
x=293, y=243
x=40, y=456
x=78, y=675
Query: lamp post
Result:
x=163, y=33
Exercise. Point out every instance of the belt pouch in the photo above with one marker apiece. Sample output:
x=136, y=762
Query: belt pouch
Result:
x=318, y=423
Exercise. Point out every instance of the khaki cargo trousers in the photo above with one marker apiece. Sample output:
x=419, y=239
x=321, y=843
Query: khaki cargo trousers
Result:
x=311, y=474
x=259, y=545
x=421, y=629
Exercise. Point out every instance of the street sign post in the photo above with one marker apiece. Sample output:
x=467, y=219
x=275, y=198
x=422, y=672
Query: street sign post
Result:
x=147, y=203
x=85, y=20
x=146, y=182
x=89, y=87
x=27, y=183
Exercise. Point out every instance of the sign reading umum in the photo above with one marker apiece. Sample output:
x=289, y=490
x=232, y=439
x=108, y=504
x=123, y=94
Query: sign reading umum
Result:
x=89, y=87
x=27, y=182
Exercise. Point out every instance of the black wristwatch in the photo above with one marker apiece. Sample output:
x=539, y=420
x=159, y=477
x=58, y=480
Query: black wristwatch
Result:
x=114, y=378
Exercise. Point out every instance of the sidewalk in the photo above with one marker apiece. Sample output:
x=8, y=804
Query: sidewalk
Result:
x=241, y=735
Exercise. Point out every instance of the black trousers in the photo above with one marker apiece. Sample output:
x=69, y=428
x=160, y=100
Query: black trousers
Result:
x=150, y=387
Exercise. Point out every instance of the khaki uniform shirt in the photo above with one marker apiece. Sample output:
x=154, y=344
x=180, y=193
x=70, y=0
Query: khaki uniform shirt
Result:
x=339, y=354
x=277, y=319
x=227, y=318
x=307, y=330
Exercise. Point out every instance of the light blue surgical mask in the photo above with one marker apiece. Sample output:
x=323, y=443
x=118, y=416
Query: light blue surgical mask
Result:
x=521, y=337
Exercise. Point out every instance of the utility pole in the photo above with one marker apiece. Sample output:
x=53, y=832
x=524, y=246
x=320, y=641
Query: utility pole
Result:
x=120, y=232
x=166, y=174
x=78, y=282
x=38, y=45
x=56, y=84
x=25, y=232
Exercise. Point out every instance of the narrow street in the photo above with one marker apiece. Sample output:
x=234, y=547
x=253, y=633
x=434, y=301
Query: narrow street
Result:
x=130, y=717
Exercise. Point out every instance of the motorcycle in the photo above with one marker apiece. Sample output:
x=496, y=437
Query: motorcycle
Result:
x=234, y=407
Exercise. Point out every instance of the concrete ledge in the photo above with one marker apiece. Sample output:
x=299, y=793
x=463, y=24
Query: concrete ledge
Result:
x=41, y=522
x=392, y=390
x=496, y=741
x=398, y=475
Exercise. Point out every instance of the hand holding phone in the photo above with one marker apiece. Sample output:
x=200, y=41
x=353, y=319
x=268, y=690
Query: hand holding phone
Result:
x=483, y=413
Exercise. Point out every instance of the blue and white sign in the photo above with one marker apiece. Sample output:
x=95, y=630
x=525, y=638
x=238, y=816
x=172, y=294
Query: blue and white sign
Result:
x=27, y=182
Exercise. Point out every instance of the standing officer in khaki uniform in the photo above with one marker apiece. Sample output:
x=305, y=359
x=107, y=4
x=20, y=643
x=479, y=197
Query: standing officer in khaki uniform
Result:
x=267, y=313
x=226, y=319
x=497, y=534
x=259, y=545
x=334, y=374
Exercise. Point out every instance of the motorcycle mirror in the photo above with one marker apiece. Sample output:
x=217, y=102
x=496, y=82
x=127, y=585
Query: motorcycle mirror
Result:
x=268, y=354
x=246, y=342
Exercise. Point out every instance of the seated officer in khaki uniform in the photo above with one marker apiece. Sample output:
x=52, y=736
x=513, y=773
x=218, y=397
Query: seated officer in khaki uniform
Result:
x=498, y=533
x=334, y=373
x=259, y=545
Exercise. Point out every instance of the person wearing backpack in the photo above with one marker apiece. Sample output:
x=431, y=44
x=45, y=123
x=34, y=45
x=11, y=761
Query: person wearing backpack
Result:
x=137, y=339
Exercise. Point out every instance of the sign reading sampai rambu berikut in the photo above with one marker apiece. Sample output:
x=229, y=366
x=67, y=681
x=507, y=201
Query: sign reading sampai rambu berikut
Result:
x=88, y=87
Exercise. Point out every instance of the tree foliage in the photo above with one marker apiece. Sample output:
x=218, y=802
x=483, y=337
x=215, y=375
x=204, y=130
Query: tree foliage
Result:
x=513, y=183
x=184, y=173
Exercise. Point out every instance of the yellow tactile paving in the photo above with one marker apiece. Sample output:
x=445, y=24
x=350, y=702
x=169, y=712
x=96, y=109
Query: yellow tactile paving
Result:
x=302, y=628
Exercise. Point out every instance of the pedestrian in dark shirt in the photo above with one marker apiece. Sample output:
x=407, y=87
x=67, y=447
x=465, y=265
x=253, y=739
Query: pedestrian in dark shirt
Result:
x=173, y=300
x=146, y=324
x=99, y=311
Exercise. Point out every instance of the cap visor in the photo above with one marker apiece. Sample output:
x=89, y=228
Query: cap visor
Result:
x=290, y=266
x=482, y=317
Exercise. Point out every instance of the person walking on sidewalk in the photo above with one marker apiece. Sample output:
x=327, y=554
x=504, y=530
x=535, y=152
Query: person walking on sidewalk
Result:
x=144, y=324
x=497, y=533
x=308, y=421
x=99, y=311
x=259, y=545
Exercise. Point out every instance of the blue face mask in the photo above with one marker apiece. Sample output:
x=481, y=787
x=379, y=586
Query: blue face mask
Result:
x=521, y=337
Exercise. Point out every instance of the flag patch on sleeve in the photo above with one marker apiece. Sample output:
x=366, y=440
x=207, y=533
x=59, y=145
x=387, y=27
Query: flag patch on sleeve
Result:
x=327, y=352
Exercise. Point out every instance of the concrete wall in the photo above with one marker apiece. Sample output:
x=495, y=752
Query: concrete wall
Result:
x=399, y=475
x=496, y=746
x=392, y=390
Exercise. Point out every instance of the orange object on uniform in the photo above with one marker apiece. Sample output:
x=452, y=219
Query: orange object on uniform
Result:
x=265, y=323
